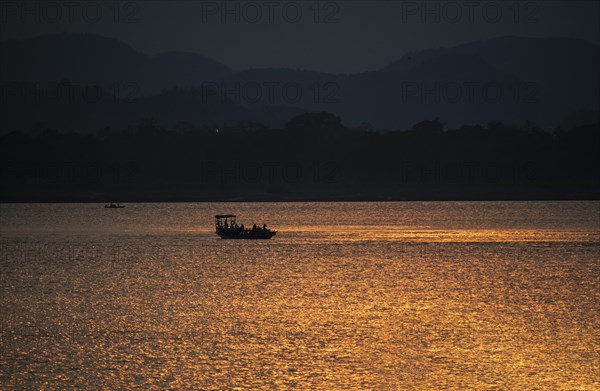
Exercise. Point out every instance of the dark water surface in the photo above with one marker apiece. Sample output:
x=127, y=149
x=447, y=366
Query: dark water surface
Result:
x=436, y=295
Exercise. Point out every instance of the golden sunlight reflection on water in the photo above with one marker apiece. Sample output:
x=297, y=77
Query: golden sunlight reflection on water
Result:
x=440, y=296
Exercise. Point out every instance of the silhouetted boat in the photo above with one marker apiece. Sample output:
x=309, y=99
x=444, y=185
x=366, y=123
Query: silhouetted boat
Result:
x=227, y=228
x=114, y=206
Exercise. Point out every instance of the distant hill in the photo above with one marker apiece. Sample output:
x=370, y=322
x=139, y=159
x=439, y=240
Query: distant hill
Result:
x=508, y=79
x=412, y=59
x=109, y=63
x=84, y=109
x=512, y=79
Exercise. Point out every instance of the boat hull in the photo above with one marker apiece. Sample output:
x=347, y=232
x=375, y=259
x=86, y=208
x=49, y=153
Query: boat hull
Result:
x=245, y=234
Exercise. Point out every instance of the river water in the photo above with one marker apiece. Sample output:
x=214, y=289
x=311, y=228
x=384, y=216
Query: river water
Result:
x=384, y=296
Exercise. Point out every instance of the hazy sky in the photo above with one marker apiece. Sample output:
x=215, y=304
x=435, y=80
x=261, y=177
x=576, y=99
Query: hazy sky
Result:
x=331, y=36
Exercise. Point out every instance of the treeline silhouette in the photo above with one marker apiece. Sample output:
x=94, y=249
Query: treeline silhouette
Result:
x=314, y=157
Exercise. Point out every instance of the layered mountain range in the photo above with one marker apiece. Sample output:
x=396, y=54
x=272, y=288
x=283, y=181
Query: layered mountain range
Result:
x=83, y=83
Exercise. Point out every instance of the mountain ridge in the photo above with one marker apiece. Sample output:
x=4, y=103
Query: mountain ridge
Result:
x=539, y=79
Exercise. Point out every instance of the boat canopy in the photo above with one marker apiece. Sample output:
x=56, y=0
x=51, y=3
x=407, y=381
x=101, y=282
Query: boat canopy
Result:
x=224, y=216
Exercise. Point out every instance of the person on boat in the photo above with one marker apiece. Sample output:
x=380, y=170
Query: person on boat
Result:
x=226, y=225
x=242, y=227
x=264, y=227
x=254, y=227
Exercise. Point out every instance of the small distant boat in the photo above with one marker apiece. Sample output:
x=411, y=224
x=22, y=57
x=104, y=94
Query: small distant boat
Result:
x=227, y=227
x=114, y=206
